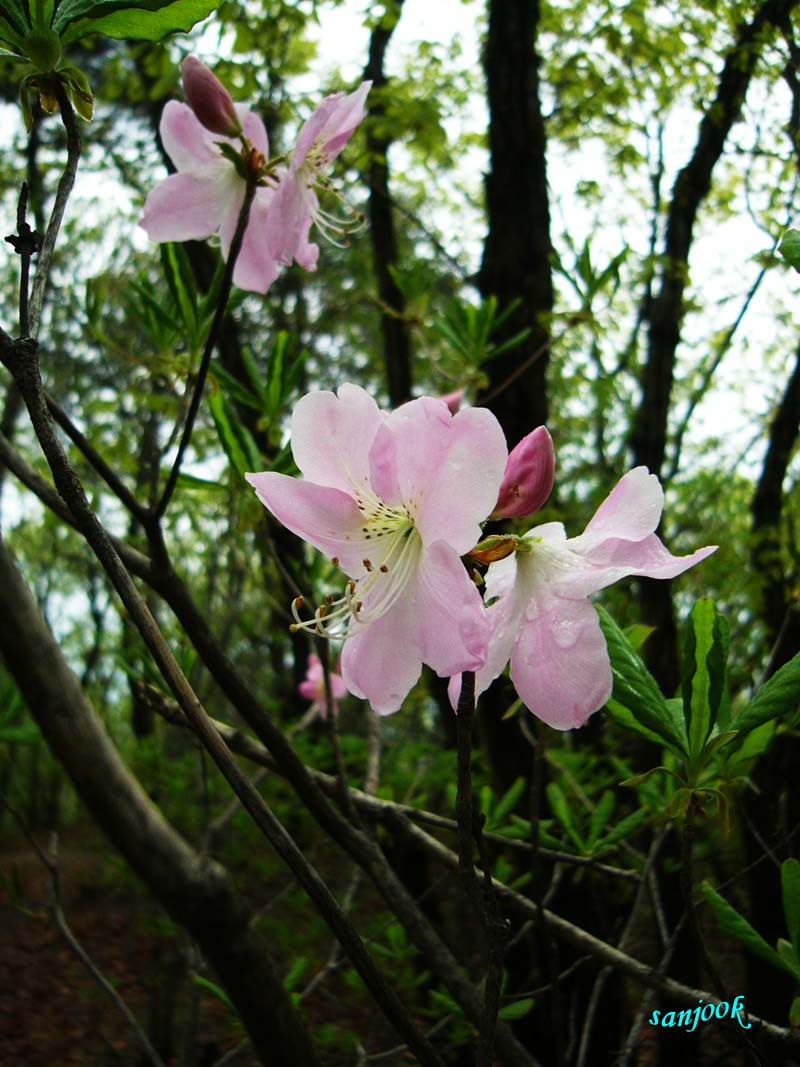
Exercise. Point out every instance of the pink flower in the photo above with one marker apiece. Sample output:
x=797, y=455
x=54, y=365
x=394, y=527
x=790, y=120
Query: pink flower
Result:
x=205, y=196
x=209, y=99
x=529, y=476
x=541, y=617
x=453, y=400
x=296, y=205
x=313, y=688
x=394, y=499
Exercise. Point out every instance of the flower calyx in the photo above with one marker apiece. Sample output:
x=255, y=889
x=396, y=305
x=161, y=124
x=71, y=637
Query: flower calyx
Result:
x=492, y=549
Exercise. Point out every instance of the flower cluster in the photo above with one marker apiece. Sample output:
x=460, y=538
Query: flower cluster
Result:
x=396, y=499
x=216, y=146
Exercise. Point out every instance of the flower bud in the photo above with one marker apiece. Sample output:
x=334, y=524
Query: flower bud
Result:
x=454, y=400
x=530, y=470
x=209, y=99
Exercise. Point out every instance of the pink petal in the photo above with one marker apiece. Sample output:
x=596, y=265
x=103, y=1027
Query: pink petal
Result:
x=253, y=129
x=648, y=557
x=381, y=661
x=332, y=435
x=255, y=269
x=186, y=141
x=505, y=617
x=327, y=518
x=332, y=124
x=383, y=467
x=291, y=213
x=559, y=665
x=453, y=627
x=631, y=511
x=185, y=207
x=452, y=466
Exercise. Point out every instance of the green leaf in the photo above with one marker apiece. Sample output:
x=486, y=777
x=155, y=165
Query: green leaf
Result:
x=790, y=887
x=214, y=990
x=601, y=816
x=624, y=828
x=179, y=278
x=134, y=23
x=781, y=693
x=703, y=672
x=789, y=248
x=794, y=1014
x=507, y=802
x=236, y=439
x=560, y=808
x=731, y=922
x=624, y=717
x=516, y=1010
x=787, y=955
x=637, y=634
x=636, y=689
x=16, y=15
x=296, y=972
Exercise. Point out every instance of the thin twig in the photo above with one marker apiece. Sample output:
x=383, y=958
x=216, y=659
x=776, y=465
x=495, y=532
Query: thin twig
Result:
x=211, y=341
x=65, y=184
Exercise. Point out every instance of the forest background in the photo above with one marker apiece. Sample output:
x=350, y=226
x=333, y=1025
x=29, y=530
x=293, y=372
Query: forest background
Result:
x=573, y=214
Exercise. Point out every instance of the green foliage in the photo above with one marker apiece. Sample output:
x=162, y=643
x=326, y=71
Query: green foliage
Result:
x=785, y=955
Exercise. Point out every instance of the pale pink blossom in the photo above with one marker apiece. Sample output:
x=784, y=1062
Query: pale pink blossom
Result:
x=539, y=611
x=528, y=478
x=296, y=205
x=313, y=688
x=453, y=400
x=209, y=99
x=394, y=499
x=204, y=198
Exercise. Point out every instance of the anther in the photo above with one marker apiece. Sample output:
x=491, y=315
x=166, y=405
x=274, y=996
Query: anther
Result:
x=384, y=569
x=368, y=565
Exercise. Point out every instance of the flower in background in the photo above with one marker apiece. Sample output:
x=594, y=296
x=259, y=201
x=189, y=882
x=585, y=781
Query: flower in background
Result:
x=205, y=196
x=539, y=612
x=394, y=499
x=295, y=205
x=313, y=688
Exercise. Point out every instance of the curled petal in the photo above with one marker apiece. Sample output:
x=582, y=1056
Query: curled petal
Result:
x=631, y=511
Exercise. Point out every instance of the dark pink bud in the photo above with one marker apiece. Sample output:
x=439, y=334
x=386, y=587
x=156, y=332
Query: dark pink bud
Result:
x=209, y=99
x=530, y=470
x=454, y=400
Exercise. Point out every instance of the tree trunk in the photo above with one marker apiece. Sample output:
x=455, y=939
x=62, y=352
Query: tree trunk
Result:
x=396, y=340
x=195, y=891
x=516, y=266
x=516, y=254
x=777, y=610
x=665, y=311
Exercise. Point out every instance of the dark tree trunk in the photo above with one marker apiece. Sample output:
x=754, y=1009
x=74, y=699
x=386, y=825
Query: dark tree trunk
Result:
x=194, y=891
x=396, y=339
x=776, y=608
x=665, y=311
x=516, y=255
x=516, y=266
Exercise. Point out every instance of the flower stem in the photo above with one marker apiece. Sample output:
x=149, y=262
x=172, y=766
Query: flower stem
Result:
x=65, y=184
x=202, y=372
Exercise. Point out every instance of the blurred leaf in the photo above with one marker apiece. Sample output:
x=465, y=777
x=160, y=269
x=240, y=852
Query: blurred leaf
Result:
x=781, y=693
